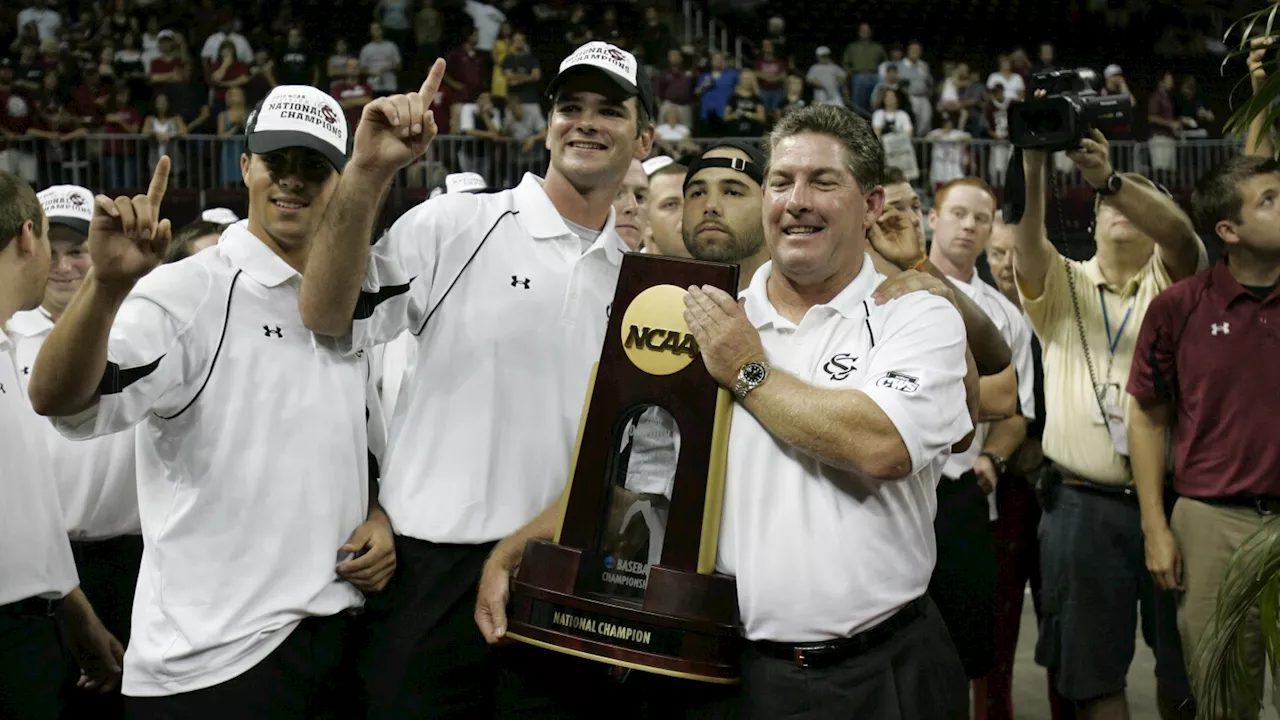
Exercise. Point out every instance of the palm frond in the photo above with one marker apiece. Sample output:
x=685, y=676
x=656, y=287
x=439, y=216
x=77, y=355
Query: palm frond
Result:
x=1224, y=680
x=1258, y=24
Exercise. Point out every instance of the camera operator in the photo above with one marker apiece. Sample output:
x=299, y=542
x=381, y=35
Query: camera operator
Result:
x=1087, y=315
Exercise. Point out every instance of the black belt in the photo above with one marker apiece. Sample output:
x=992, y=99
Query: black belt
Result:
x=826, y=654
x=1124, y=492
x=32, y=607
x=1263, y=505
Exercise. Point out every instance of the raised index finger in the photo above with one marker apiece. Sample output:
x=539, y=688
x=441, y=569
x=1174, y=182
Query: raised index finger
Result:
x=159, y=184
x=432, y=84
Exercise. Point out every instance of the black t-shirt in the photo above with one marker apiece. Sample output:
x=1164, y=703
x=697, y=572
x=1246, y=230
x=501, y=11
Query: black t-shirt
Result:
x=523, y=63
x=294, y=66
x=745, y=126
x=32, y=73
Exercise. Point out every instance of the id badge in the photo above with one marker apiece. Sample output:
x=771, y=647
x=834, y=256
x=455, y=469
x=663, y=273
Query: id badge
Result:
x=1108, y=397
x=1116, y=428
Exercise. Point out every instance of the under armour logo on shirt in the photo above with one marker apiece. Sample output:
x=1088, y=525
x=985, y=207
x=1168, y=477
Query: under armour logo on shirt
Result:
x=26, y=371
x=517, y=282
x=2, y=390
x=270, y=331
x=1220, y=329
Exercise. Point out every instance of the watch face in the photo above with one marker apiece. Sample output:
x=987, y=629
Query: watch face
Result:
x=753, y=373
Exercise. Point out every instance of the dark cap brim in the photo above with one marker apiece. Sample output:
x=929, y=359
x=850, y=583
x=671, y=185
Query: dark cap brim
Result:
x=272, y=140
x=80, y=226
x=582, y=70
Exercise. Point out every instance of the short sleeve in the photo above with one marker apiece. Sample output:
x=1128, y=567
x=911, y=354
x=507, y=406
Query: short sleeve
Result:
x=1153, y=374
x=1023, y=364
x=1048, y=310
x=916, y=375
x=160, y=346
x=424, y=250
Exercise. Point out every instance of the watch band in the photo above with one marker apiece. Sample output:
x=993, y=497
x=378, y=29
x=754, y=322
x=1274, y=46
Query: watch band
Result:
x=1000, y=463
x=1110, y=186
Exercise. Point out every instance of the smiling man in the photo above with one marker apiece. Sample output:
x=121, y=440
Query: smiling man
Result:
x=242, y=602
x=631, y=207
x=508, y=295
x=97, y=480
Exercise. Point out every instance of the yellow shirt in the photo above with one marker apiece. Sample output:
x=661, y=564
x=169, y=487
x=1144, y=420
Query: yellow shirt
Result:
x=1075, y=432
x=498, y=81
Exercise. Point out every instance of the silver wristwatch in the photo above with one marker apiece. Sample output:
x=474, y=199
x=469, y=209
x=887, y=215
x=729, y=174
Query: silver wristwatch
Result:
x=750, y=377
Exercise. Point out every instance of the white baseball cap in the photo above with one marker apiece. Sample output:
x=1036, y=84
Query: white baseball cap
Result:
x=1112, y=70
x=68, y=205
x=221, y=216
x=300, y=116
x=654, y=164
x=822, y=50
x=464, y=182
x=617, y=64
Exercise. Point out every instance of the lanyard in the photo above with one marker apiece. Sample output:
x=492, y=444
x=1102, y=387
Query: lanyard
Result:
x=1113, y=342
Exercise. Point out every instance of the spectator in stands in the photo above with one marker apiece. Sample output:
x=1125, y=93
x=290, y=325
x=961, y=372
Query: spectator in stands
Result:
x=89, y=97
x=161, y=126
x=393, y=17
x=1047, y=59
x=47, y=21
x=522, y=72
x=1014, y=87
x=829, y=81
x=497, y=78
x=673, y=88
x=655, y=40
x=228, y=73
x=190, y=102
x=352, y=93
x=713, y=91
x=336, y=64
x=120, y=158
x=744, y=115
x=262, y=77
x=672, y=137
x=29, y=74
x=1114, y=82
x=915, y=72
x=487, y=20
x=796, y=98
x=771, y=76
x=162, y=71
x=211, y=51
x=577, y=29
x=107, y=63
x=482, y=122
x=231, y=125
x=295, y=64
x=776, y=33
x=949, y=159
x=428, y=31
x=862, y=59
x=466, y=69
x=524, y=123
x=611, y=31
x=891, y=119
x=1192, y=110
x=380, y=60
x=1164, y=126
x=889, y=81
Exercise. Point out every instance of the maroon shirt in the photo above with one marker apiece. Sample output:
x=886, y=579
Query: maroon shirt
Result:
x=1209, y=346
x=675, y=85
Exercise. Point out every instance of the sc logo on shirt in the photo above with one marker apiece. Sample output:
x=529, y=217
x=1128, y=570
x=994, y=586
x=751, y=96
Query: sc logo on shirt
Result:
x=840, y=366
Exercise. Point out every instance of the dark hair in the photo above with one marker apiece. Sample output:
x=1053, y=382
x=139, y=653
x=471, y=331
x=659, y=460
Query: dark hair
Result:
x=1217, y=194
x=180, y=245
x=18, y=204
x=893, y=175
x=864, y=154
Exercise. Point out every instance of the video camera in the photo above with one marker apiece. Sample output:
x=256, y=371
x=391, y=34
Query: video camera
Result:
x=1072, y=104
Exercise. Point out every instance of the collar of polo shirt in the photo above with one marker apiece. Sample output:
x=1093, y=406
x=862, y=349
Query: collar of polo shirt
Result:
x=1094, y=272
x=849, y=302
x=30, y=324
x=251, y=255
x=540, y=217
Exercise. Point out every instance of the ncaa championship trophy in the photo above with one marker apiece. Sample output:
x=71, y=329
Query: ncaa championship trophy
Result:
x=630, y=579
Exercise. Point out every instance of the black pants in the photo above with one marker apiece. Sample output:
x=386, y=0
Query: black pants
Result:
x=302, y=679
x=963, y=585
x=108, y=576
x=34, y=665
x=914, y=675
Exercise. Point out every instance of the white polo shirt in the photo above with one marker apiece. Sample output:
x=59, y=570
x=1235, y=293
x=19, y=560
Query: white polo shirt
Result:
x=392, y=364
x=97, y=480
x=35, y=557
x=252, y=462
x=490, y=415
x=1017, y=333
x=820, y=552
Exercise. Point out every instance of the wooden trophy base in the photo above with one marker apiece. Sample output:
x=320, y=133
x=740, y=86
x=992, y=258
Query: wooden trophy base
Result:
x=686, y=627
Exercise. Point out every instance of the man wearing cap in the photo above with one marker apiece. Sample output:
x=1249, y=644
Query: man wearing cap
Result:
x=509, y=296
x=258, y=539
x=96, y=480
x=666, y=208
